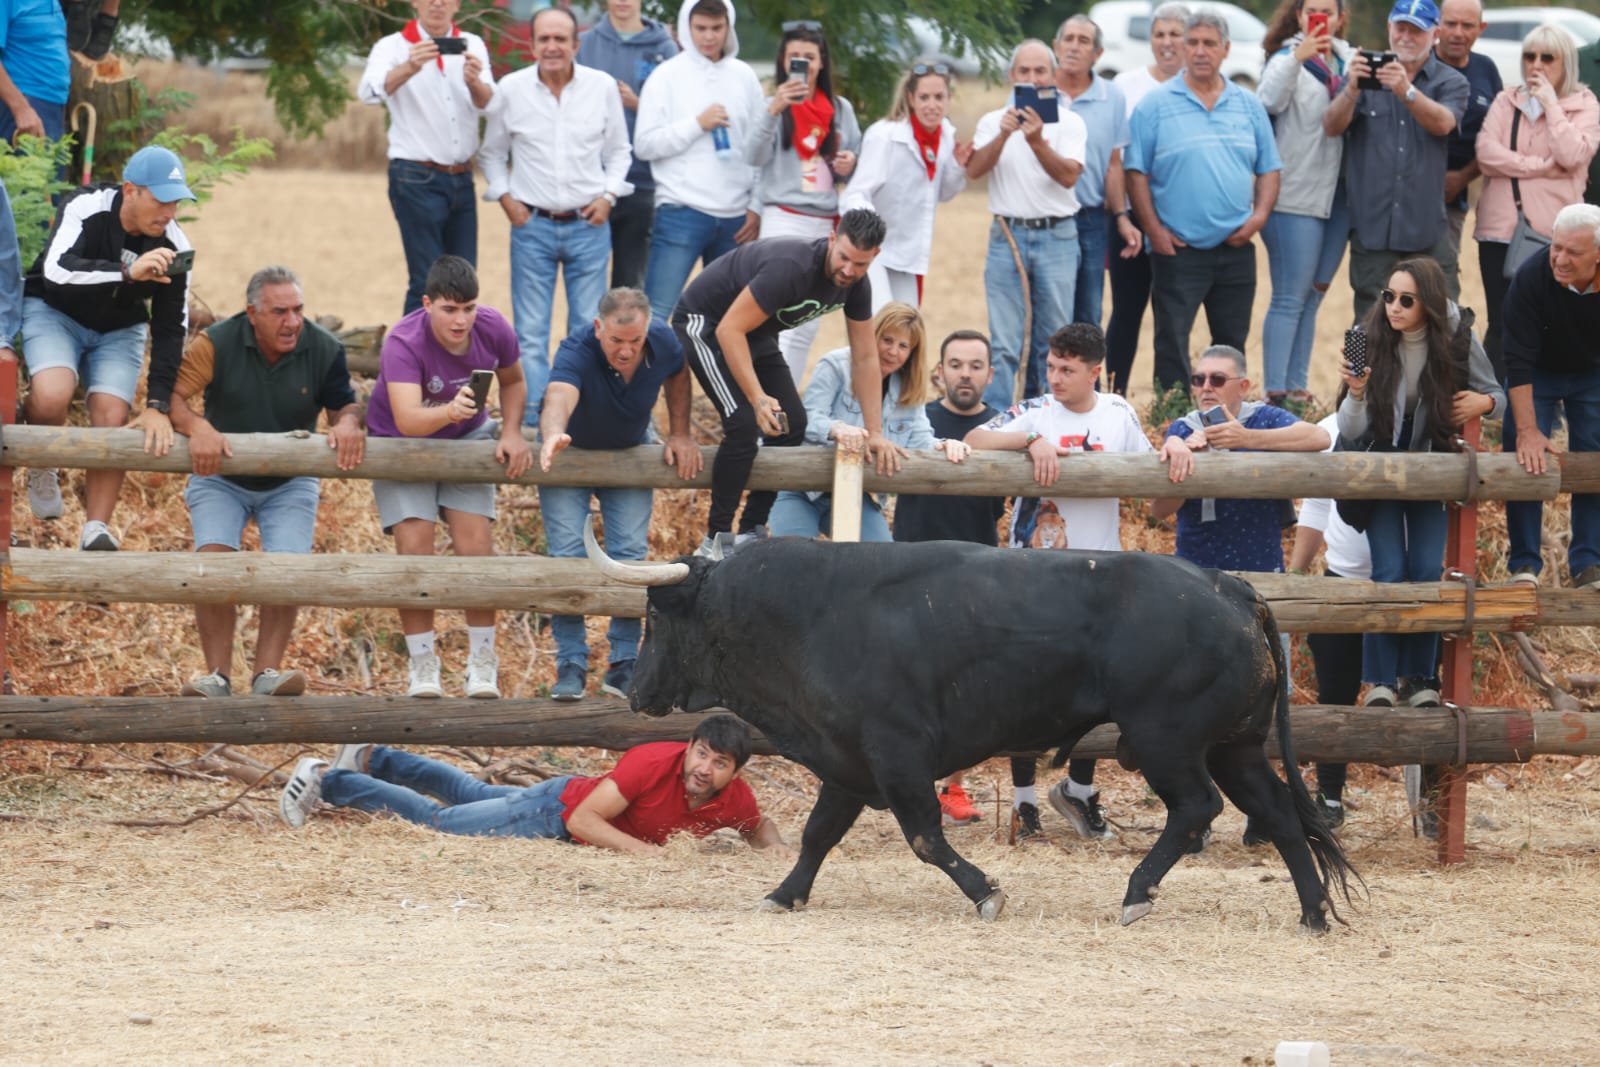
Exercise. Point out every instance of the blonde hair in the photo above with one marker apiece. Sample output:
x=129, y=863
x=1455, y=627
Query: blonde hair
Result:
x=908, y=85
x=916, y=384
x=1551, y=38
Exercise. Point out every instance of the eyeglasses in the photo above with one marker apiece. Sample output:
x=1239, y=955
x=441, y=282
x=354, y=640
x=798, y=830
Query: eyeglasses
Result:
x=802, y=24
x=941, y=69
x=1546, y=58
x=1217, y=379
x=1407, y=300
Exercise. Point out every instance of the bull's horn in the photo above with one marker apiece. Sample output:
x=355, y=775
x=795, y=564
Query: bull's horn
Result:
x=630, y=573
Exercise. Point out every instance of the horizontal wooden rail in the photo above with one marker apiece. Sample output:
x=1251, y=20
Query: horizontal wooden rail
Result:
x=1258, y=475
x=573, y=587
x=1328, y=734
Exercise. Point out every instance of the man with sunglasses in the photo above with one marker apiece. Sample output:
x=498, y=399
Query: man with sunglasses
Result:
x=1397, y=152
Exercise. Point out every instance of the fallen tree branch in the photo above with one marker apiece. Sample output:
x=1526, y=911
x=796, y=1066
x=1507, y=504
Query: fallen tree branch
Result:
x=1534, y=667
x=216, y=809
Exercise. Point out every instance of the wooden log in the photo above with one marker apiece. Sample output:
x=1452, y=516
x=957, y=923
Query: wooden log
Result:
x=1258, y=475
x=362, y=346
x=1328, y=734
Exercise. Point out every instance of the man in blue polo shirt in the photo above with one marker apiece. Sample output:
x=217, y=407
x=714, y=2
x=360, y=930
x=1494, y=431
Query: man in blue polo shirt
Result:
x=602, y=390
x=35, y=74
x=1203, y=172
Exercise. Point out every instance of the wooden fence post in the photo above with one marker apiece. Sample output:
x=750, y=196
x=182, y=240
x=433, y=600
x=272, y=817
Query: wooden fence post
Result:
x=1461, y=563
x=847, y=491
x=8, y=415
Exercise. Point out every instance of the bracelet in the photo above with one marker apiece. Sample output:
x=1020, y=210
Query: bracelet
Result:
x=1033, y=435
x=1123, y=215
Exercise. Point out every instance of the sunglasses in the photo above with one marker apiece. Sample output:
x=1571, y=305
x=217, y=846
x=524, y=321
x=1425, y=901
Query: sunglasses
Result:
x=1546, y=58
x=802, y=24
x=941, y=69
x=1217, y=379
x=1407, y=300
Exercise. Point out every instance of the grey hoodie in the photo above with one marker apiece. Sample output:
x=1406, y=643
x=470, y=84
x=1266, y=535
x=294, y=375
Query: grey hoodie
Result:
x=629, y=61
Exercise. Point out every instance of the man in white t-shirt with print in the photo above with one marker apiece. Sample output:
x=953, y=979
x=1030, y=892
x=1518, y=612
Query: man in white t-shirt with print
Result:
x=1073, y=417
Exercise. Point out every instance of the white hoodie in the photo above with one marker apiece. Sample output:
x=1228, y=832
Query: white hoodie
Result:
x=667, y=133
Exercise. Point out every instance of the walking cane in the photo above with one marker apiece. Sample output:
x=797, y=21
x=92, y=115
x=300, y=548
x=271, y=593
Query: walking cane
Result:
x=88, y=140
x=1026, y=351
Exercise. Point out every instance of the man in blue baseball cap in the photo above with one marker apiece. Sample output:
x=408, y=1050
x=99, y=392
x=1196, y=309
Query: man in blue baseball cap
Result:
x=1398, y=149
x=114, y=273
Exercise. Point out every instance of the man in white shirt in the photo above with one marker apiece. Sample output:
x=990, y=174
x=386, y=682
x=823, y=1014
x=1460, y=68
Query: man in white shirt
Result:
x=1032, y=268
x=435, y=93
x=561, y=128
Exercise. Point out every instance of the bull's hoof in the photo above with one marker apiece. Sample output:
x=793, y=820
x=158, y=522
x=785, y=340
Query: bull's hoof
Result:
x=1312, y=927
x=773, y=904
x=1132, y=913
x=990, y=907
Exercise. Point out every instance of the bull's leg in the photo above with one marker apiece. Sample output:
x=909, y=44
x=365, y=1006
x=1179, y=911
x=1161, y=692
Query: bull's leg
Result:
x=835, y=813
x=1245, y=775
x=1192, y=801
x=916, y=808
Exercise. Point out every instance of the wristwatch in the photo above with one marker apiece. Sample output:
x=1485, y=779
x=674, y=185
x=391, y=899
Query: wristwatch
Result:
x=1411, y=93
x=159, y=405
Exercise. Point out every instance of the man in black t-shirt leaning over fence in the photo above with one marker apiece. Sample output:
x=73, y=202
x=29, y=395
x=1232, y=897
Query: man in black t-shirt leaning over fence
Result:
x=728, y=320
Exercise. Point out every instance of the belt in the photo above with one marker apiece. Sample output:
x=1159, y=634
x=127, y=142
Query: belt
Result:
x=553, y=216
x=1047, y=223
x=443, y=168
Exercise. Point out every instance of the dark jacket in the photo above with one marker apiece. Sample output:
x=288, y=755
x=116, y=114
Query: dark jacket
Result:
x=1548, y=327
x=1589, y=74
x=630, y=61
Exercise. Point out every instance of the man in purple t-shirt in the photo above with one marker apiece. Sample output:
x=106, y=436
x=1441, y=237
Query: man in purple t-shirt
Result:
x=424, y=390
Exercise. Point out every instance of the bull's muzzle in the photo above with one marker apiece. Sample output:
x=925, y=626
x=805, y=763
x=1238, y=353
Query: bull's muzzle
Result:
x=645, y=574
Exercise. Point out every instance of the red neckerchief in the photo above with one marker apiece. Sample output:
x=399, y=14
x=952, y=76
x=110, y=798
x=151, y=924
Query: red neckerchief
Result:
x=811, y=121
x=928, y=142
x=413, y=33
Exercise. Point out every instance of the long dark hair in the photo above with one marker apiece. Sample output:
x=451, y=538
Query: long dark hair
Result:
x=1285, y=23
x=830, y=143
x=1444, y=372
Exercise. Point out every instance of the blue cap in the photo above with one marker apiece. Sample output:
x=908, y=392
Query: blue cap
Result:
x=159, y=170
x=1423, y=14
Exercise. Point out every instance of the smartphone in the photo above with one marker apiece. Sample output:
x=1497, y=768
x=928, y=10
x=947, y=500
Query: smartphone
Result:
x=1355, y=350
x=1043, y=101
x=799, y=68
x=182, y=263
x=451, y=46
x=1374, y=61
x=1214, y=416
x=1317, y=24
x=480, y=387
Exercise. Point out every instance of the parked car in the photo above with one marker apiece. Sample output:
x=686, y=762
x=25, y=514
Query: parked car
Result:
x=1125, y=27
x=1502, y=38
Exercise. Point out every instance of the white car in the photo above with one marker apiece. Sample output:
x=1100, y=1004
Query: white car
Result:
x=1502, y=38
x=1125, y=29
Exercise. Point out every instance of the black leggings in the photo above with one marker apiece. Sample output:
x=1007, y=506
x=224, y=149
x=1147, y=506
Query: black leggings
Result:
x=1025, y=771
x=1130, y=295
x=1337, y=658
x=740, y=434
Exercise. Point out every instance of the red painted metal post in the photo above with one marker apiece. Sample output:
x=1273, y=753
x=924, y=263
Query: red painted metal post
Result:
x=1460, y=559
x=8, y=415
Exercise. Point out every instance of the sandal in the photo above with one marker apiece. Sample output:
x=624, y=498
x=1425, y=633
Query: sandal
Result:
x=303, y=793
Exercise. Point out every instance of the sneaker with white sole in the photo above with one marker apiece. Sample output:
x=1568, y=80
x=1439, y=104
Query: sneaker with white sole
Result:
x=44, y=494
x=715, y=546
x=208, y=685
x=272, y=682
x=1084, y=815
x=97, y=537
x=1524, y=576
x=425, y=677
x=483, y=675
x=1379, y=696
x=352, y=758
x=571, y=679
x=303, y=793
x=619, y=679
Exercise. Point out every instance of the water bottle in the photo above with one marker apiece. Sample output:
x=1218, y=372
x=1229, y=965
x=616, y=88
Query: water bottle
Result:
x=719, y=140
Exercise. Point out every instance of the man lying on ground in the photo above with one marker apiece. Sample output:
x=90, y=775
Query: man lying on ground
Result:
x=654, y=791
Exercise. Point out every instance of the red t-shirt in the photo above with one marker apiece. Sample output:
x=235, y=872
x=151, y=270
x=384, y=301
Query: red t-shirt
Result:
x=651, y=778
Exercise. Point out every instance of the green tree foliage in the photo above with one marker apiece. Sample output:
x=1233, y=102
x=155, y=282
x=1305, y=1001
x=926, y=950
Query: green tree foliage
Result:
x=29, y=173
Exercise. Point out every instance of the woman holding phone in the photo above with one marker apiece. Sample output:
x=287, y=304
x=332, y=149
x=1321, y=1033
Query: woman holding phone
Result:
x=1534, y=147
x=1426, y=376
x=1306, y=233
x=804, y=144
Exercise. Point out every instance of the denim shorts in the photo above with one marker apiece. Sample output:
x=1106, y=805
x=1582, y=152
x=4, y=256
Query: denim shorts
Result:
x=286, y=516
x=398, y=501
x=105, y=362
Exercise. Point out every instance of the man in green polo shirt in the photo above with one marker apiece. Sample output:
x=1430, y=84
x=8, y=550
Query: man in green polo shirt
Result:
x=265, y=370
x=1589, y=74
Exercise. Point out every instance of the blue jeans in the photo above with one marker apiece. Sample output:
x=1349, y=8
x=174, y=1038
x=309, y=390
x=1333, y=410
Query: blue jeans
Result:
x=438, y=216
x=219, y=510
x=1579, y=396
x=401, y=783
x=1407, y=540
x=53, y=117
x=1302, y=255
x=109, y=362
x=1088, y=298
x=797, y=515
x=626, y=513
x=539, y=247
x=679, y=236
x=1050, y=258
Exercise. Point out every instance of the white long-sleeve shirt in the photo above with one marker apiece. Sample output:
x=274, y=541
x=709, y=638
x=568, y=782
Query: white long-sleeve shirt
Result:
x=891, y=178
x=432, y=118
x=682, y=157
x=564, y=151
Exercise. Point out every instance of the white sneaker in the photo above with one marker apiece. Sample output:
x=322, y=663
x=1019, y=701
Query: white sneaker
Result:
x=425, y=677
x=44, y=494
x=483, y=671
x=351, y=758
x=303, y=793
x=97, y=537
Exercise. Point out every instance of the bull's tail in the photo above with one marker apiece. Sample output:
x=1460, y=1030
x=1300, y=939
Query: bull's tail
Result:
x=1332, y=863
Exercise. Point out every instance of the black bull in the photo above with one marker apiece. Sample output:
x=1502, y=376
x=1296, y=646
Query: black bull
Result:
x=883, y=667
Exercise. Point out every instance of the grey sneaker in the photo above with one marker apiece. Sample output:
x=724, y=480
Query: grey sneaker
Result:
x=208, y=685
x=44, y=494
x=425, y=677
x=303, y=793
x=352, y=758
x=619, y=679
x=1588, y=578
x=483, y=675
x=715, y=546
x=1379, y=696
x=570, y=681
x=756, y=533
x=275, y=683
x=1525, y=576
x=97, y=537
x=1084, y=816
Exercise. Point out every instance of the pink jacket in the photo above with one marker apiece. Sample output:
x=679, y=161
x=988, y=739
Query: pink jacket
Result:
x=1551, y=163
